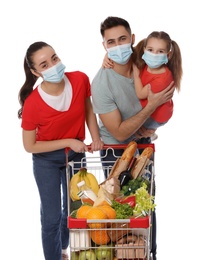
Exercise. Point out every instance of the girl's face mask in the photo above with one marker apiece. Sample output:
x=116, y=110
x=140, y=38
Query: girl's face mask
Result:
x=154, y=60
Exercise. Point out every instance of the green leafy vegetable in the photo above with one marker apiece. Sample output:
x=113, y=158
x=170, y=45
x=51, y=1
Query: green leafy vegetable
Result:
x=122, y=210
x=144, y=202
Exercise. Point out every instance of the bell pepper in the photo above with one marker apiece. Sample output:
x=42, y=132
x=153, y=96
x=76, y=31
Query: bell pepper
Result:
x=131, y=200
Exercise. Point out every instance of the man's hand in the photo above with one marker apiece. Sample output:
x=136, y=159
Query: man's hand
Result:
x=157, y=99
x=143, y=132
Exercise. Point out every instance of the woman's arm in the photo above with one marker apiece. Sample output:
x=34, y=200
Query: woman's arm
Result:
x=33, y=146
x=93, y=128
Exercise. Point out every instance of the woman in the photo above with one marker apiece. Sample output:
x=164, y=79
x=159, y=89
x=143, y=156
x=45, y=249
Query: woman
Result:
x=53, y=118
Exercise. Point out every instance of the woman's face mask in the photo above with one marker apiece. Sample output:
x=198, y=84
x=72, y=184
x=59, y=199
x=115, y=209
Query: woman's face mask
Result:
x=154, y=60
x=54, y=74
x=120, y=53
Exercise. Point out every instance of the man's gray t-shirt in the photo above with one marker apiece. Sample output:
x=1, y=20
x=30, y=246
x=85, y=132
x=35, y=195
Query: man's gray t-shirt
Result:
x=111, y=91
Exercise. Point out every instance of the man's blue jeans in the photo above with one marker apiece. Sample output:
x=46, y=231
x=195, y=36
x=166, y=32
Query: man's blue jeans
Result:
x=50, y=175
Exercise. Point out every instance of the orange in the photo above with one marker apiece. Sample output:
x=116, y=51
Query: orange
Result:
x=82, y=211
x=99, y=237
x=96, y=213
x=111, y=213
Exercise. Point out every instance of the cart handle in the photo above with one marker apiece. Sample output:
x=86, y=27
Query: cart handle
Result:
x=119, y=146
x=123, y=146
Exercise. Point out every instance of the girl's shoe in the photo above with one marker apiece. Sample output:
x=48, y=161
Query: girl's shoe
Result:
x=154, y=137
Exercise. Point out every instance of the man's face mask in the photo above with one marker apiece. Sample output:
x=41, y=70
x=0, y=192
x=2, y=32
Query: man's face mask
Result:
x=120, y=53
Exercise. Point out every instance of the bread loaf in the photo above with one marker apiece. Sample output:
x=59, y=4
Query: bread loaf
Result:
x=147, y=152
x=129, y=151
x=122, y=163
x=141, y=162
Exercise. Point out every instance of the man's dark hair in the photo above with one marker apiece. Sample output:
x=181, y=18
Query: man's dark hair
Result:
x=111, y=22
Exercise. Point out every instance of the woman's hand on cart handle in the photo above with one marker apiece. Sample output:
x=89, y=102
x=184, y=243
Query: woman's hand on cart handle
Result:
x=77, y=146
x=80, y=147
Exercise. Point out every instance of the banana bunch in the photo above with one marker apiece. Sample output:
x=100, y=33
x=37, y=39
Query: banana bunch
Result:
x=90, y=181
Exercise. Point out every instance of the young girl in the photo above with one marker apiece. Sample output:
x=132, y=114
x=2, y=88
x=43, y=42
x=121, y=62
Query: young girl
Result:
x=156, y=62
x=53, y=118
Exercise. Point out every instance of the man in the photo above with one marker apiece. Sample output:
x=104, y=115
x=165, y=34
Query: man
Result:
x=113, y=94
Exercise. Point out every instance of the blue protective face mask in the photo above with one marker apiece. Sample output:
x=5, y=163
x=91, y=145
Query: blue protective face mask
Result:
x=54, y=74
x=120, y=53
x=154, y=60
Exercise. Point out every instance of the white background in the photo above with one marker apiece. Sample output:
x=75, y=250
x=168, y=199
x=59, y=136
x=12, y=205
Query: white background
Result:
x=73, y=29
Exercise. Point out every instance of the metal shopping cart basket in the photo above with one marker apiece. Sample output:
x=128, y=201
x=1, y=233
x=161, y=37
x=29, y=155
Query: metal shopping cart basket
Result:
x=110, y=239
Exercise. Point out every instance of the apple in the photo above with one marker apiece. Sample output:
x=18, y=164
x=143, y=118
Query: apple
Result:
x=104, y=252
x=74, y=255
x=87, y=255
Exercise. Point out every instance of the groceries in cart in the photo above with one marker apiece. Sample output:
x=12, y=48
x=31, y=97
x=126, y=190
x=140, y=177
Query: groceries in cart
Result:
x=112, y=219
x=84, y=184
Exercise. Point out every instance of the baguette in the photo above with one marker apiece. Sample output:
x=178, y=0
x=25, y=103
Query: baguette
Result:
x=147, y=152
x=141, y=162
x=122, y=163
x=129, y=151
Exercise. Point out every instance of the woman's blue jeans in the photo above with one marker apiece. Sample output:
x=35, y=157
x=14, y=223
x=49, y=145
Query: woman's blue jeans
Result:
x=50, y=175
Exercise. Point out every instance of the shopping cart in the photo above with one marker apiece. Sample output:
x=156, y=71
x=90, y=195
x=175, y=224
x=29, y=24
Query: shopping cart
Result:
x=110, y=239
